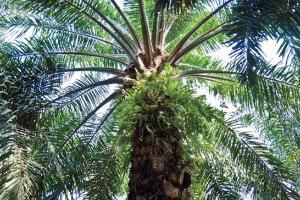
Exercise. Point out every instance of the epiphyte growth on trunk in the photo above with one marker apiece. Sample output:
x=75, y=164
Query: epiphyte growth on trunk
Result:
x=155, y=117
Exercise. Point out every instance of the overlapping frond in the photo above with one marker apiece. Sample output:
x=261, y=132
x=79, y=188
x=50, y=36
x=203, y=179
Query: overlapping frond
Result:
x=20, y=173
x=248, y=151
x=257, y=21
x=215, y=178
x=274, y=86
x=267, y=92
x=249, y=167
x=22, y=85
x=108, y=164
x=280, y=129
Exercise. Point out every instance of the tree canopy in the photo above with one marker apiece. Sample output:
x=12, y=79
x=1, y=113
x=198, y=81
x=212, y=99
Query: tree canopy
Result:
x=65, y=137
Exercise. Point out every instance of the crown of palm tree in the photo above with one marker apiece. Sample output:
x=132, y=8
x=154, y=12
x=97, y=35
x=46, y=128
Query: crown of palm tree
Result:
x=50, y=137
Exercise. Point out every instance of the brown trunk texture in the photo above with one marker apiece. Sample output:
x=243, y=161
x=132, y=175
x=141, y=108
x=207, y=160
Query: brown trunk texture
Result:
x=157, y=168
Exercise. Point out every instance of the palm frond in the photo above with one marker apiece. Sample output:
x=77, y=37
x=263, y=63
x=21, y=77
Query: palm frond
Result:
x=274, y=87
x=255, y=22
x=19, y=171
x=89, y=115
x=251, y=154
x=182, y=42
x=146, y=32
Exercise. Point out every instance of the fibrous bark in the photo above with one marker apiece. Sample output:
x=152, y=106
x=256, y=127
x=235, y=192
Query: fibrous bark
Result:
x=157, y=167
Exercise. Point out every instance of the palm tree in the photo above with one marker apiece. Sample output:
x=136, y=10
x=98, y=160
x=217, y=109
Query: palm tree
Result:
x=134, y=102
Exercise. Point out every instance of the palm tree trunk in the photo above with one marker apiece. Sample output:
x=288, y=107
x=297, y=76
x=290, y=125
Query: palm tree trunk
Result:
x=157, y=167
